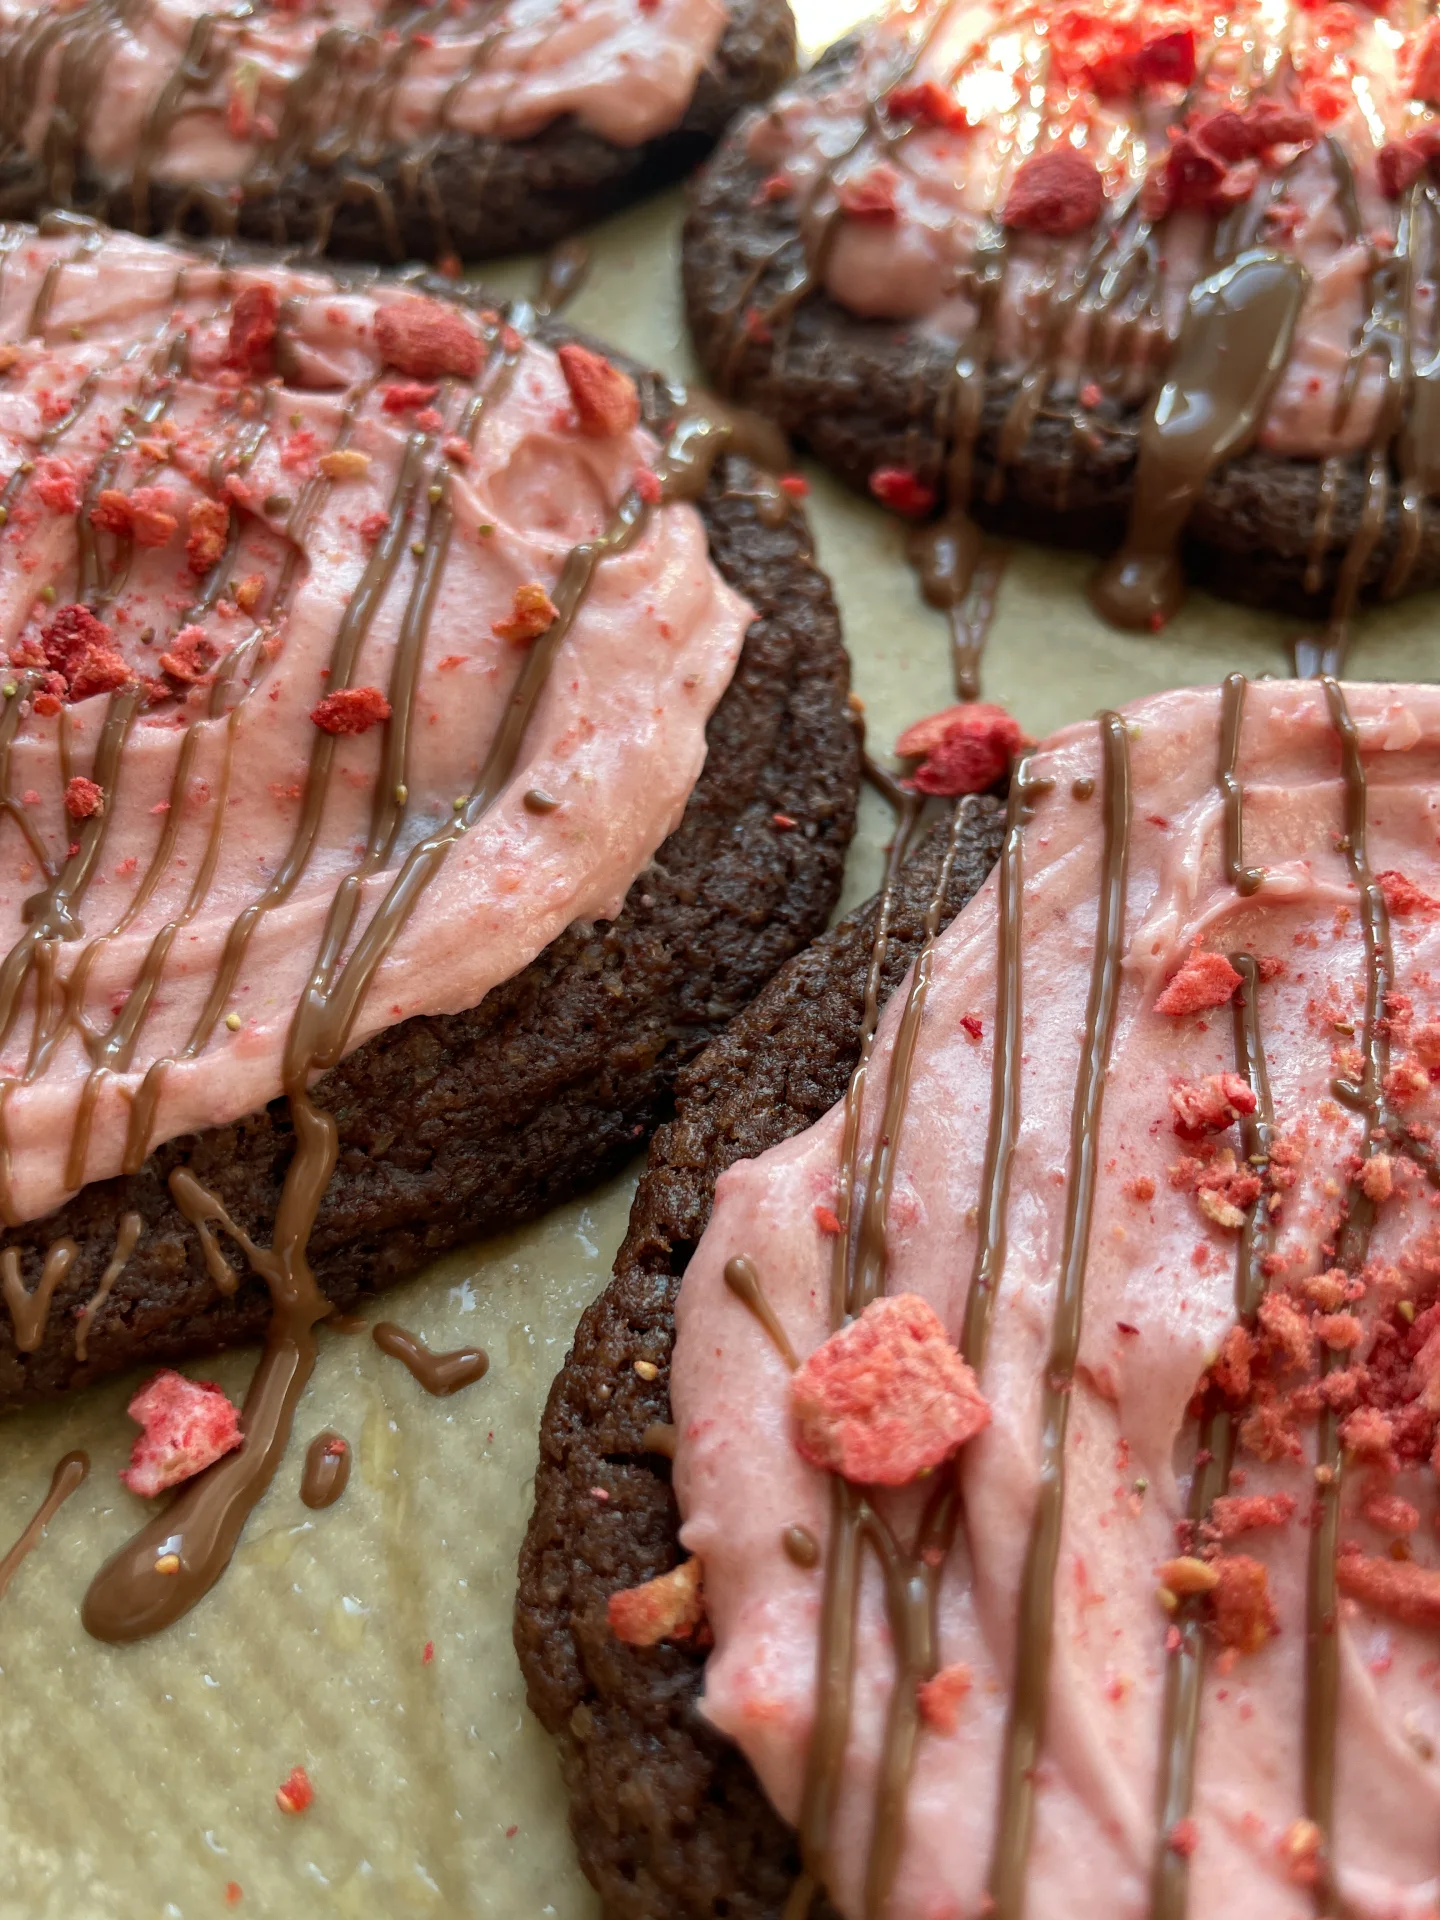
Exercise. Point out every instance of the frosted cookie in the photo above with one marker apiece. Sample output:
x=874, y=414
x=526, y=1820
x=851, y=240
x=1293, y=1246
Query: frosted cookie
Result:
x=1119, y=276
x=461, y=129
x=1138, y=1183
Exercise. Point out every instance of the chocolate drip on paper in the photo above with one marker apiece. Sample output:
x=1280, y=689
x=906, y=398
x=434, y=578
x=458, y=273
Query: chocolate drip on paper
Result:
x=1025, y=1727
x=440, y=1374
x=960, y=572
x=327, y=1470
x=69, y=1474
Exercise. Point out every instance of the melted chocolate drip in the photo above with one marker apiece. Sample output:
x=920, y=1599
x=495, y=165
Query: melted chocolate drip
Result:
x=1245, y=880
x=440, y=1374
x=801, y=1547
x=327, y=1470
x=744, y=1282
x=68, y=1475
x=659, y=1437
x=960, y=573
x=127, y=1234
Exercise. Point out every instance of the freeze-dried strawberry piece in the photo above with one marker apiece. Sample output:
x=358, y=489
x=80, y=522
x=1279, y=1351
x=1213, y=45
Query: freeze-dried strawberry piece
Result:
x=886, y=1397
x=669, y=1607
x=145, y=515
x=1390, y=1513
x=84, y=798
x=1241, y=1607
x=1231, y=1371
x=253, y=322
x=1236, y=1513
x=532, y=613
x=1193, y=172
x=190, y=656
x=604, y=398
x=1398, y=165
x=1425, y=81
x=111, y=512
x=425, y=338
x=1055, y=193
x=1400, y=1588
x=1402, y=896
x=1425, y=1040
x=1224, y=1190
x=1288, y=1337
x=80, y=648
x=1275, y=125
x=57, y=484
x=297, y=1794
x=927, y=104
x=966, y=748
x=939, y=1697
x=209, y=523
x=1368, y=1433
x=1167, y=54
x=402, y=397
x=1204, y=980
x=351, y=710
x=870, y=196
x=188, y=1425
x=901, y=490
x=1210, y=1105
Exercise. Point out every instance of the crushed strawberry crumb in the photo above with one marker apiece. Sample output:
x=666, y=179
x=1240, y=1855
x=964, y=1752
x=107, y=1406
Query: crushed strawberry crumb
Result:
x=939, y=1698
x=1402, y=1589
x=188, y=1424
x=605, y=399
x=1210, y=1105
x=83, y=798
x=1204, y=980
x=966, y=748
x=532, y=613
x=297, y=1794
x=351, y=710
x=1241, y=1607
x=902, y=491
x=669, y=1607
x=426, y=338
x=209, y=523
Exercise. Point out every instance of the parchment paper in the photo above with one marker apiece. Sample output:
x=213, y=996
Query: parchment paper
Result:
x=140, y=1782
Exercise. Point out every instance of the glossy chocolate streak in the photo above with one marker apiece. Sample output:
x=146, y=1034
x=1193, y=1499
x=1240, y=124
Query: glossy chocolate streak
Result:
x=128, y=1600
x=1185, y=1664
x=440, y=1374
x=1366, y=1096
x=1245, y=880
x=960, y=573
x=744, y=1282
x=327, y=1470
x=28, y=1311
x=802, y=1549
x=69, y=1474
x=126, y=1236
x=1025, y=1728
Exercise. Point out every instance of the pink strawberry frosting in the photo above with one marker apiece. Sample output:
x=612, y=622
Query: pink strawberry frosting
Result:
x=1159, y=1300
x=617, y=738
x=995, y=59
x=625, y=68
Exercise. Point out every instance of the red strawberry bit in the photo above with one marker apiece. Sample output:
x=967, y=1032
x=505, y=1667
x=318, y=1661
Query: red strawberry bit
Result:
x=1391, y=1514
x=458, y=449
x=80, y=649
x=1425, y=1042
x=1398, y=165
x=605, y=399
x=1167, y=55
x=188, y=1425
x=532, y=614
x=966, y=748
x=1203, y=981
x=191, y=655
x=1401, y=1588
x=927, y=104
x=57, y=484
x=1231, y=1371
x=83, y=798
x=886, y=1397
x=795, y=484
x=253, y=322
x=1243, y=1612
x=1210, y=1105
x=972, y=1026
x=425, y=338
x=351, y=710
x=405, y=395
x=902, y=490
x=1425, y=81
x=1183, y=1837
x=1368, y=1433
x=939, y=1697
x=1402, y=896
x=1224, y=1191
x=1235, y=1513
x=1055, y=193
x=1275, y=125
x=669, y=1607
x=209, y=523
x=1227, y=134
x=1288, y=1338
x=111, y=512
x=871, y=196
x=828, y=1220
x=146, y=515
x=646, y=483
x=297, y=1794
x=373, y=525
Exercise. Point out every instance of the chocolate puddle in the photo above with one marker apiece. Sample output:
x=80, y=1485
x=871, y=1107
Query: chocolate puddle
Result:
x=69, y=1474
x=439, y=1374
x=327, y=1470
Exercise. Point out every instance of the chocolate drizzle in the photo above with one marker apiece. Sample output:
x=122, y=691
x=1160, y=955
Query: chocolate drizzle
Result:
x=327, y=1470
x=28, y=1311
x=126, y=1235
x=1245, y=880
x=1025, y=1727
x=69, y=1474
x=440, y=1374
x=744, y=1282
x=960, y=572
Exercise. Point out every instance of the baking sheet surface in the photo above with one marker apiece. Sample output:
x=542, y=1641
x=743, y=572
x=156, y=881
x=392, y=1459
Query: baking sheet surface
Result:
x=140, y=1782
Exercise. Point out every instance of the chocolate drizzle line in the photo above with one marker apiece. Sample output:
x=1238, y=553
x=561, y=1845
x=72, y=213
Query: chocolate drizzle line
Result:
x=1245, y=880
x=440, y=1374
x=743, y=1280
x=327, y=1470
x=1025, y=1728
x=69, y=1474
x=126, y=1235
x=128, y=1600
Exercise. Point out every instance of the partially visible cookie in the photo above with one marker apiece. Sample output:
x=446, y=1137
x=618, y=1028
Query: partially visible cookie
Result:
x=960, y=303
x=463, y=131
x=668, y=1817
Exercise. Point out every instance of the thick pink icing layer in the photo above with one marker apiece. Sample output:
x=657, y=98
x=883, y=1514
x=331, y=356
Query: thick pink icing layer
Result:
x=918, y=267
x=1159, y=1296
x=618, y=737
x=627, y=71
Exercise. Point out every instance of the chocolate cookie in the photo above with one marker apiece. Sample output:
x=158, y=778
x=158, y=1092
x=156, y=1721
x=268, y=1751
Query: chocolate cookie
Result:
x=315, y=142
x=453, y=1126
x=667, y=1816
x=1271, y=504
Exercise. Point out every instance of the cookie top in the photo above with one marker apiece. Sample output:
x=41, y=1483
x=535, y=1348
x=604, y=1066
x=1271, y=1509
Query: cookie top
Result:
x=1049, y=184
x=184, y=92
x=1149, y=1140
x=332, y=615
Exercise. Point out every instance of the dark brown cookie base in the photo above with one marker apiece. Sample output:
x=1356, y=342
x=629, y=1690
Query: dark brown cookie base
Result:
x=473, y=198
x=865, y=394
x=455, y=1127
x=670, y=1822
